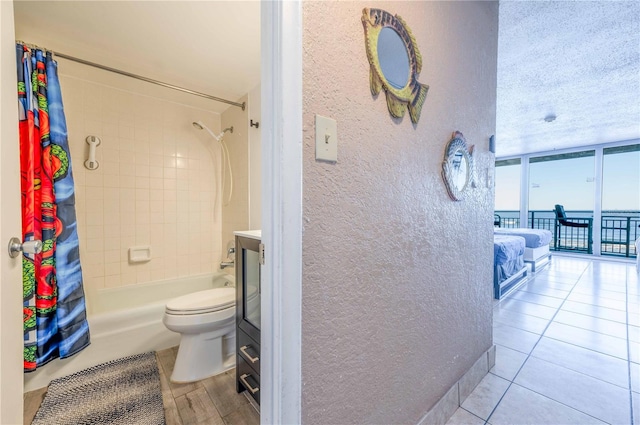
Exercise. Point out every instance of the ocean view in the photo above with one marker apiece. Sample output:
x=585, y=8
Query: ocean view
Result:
x=618, y=228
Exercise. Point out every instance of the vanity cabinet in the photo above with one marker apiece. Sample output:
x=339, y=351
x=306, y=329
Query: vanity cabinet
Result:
x=248, y=292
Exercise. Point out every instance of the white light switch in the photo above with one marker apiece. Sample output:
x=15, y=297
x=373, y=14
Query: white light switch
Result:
x=326, y=139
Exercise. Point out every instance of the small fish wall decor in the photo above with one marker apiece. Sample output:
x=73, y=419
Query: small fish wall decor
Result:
x=393, y=69
x=458, y=167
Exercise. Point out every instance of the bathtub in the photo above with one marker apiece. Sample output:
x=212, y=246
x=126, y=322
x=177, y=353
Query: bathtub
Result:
x=125, y=321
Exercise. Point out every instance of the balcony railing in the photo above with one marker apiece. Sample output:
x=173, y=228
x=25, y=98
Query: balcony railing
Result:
x=619, y=230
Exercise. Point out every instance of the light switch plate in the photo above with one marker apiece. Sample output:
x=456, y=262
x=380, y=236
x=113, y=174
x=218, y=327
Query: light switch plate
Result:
x=326, y=139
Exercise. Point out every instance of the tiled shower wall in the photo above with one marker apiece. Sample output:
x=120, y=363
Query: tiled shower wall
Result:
x=235, y=210
x=156, y=185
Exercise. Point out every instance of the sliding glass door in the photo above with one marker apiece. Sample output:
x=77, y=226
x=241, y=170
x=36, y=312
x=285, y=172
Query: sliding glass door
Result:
x=567, y=180
x=598, y=188
x=620, y=200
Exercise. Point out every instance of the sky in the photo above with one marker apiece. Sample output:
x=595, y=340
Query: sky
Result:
x=571, y=182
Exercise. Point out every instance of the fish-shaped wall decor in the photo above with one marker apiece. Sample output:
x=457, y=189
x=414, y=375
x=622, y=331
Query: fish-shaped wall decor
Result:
x=388, y=62
x=458, y=167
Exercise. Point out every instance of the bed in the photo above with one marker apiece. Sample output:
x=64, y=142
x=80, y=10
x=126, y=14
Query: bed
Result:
x=537, y=241
x=509, y=270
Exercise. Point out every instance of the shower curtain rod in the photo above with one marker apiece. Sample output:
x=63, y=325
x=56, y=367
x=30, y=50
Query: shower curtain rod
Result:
x=138, y=77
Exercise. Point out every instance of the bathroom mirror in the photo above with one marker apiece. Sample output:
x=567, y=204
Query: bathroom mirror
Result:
x=394, y=62
x=457, y=167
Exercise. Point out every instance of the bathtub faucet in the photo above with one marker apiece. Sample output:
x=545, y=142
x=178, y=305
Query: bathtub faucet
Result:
x=231, y=257
x=225, y=264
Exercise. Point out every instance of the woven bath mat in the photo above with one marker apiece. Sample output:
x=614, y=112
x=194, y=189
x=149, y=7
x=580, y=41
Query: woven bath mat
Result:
x=120, y=392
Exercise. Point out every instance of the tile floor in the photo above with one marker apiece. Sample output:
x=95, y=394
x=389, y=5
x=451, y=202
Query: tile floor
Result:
x=212, y=401
x=567, y=349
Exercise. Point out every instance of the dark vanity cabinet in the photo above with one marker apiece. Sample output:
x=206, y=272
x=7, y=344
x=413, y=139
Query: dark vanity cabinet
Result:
x=248, y=313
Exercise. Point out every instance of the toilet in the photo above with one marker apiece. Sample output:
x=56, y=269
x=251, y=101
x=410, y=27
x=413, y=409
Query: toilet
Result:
x=205, y=321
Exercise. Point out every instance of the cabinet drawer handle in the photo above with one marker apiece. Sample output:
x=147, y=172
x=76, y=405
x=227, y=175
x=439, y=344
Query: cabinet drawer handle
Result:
x=252, y=390
x=244, y=351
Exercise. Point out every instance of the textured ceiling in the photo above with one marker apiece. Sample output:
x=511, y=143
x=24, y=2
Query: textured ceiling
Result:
x=577, y=60
x=207, y=46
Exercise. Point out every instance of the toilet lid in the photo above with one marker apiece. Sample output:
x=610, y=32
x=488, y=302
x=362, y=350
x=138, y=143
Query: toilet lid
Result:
x=204, y=301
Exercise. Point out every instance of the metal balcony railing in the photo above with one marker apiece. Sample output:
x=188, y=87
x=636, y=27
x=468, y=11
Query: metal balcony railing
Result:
x=618, y=230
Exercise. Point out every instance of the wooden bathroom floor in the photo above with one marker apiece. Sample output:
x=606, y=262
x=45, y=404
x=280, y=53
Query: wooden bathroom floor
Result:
x=212, y=401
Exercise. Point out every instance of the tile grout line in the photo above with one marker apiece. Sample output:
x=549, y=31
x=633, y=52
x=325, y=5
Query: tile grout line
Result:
x=512, y=381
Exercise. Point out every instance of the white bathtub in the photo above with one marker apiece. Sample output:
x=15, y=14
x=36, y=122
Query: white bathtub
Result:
x=126, y=321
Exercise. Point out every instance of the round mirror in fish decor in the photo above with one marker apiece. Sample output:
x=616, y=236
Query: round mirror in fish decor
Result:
x=457, y=167
x=395, y=62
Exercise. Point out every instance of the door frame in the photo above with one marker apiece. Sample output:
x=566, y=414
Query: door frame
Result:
x=281, y=79
x=281, y=39
x=11, y=338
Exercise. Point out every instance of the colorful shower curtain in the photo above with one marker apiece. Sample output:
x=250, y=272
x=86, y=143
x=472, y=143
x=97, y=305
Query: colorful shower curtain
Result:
x=54, y=314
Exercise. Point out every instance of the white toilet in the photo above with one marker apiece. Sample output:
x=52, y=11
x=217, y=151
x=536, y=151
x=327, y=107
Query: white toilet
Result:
x=206, y=323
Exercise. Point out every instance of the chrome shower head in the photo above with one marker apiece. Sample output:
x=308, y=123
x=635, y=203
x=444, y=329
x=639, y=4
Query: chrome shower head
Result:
x=200, y=126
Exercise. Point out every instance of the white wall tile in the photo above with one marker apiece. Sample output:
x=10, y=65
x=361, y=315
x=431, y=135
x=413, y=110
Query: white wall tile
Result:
x=148, y=145
x=112, y=281
x=155, y=172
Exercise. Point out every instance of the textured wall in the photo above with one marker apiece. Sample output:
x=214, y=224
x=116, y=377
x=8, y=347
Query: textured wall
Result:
x=155, y=185
x=397, y=278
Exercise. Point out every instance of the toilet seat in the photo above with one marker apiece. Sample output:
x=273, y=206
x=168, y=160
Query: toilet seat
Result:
x=201, y=302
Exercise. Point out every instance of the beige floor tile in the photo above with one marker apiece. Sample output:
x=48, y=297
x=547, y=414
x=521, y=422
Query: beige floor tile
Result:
x=486, y=396
x=591, y=323
x=514, y=338
x=589, y=290
x=601, y=366
x=508, y=362
x=636, y=407
x=604, y=401
x=540, y=299
x=596, y=341
x=524, y=307
x=462, y=417
x=545, y=290
x=634, y=352
x=592, y=310
x=596, y=299
x=634, y=333
x=524, y=407
x=521, y=321
x=635, y=378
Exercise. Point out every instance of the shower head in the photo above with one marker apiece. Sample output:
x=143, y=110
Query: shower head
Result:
x=200, y=126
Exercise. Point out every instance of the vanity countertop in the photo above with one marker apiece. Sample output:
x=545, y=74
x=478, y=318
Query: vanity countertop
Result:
x=253, y=234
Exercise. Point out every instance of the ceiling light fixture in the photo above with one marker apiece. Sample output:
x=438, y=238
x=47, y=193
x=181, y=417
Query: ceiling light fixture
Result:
x=550, y=118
